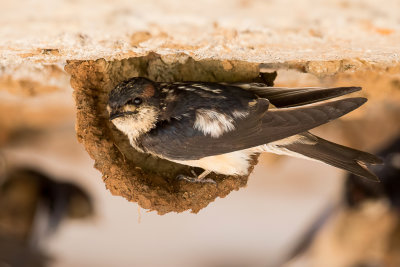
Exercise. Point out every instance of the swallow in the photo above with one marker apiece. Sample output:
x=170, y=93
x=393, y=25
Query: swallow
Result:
x=219, y=126
x=33, y=206
x=38, y=203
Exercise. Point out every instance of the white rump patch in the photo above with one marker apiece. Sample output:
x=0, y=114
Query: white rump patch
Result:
x=213, y=123
x=277, y=146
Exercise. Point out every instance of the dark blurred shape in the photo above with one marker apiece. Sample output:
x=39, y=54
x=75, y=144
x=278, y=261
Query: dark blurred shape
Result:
x=358, y=190
x=18, y=253
x=32, y=206
x=364, y=229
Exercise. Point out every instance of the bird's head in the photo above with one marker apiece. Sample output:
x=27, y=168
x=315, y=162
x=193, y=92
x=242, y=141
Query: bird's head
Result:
x=134, y=106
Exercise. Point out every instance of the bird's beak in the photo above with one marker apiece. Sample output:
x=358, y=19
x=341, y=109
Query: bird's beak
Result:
x=115, y=114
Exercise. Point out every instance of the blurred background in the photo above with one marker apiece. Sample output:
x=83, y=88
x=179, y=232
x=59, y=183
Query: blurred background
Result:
x=255, y=226
x=55, y=209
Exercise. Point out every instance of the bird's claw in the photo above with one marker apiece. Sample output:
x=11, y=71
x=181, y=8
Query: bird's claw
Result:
x=195, y=179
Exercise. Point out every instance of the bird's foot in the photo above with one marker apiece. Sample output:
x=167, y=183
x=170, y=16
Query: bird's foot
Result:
x=196, y=179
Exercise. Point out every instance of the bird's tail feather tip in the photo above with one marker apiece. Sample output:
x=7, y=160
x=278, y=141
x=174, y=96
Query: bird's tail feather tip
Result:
x=364, y=172
x=346, y=158
x=359, y=101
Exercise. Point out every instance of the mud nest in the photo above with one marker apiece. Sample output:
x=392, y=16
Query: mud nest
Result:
x=141, y=178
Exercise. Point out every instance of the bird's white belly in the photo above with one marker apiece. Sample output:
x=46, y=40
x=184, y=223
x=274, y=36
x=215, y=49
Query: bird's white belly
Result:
x=238, y=162
x=234, y=163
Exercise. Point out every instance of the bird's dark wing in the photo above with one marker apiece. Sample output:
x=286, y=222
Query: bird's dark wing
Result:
x=290, y=97
x=179, y=140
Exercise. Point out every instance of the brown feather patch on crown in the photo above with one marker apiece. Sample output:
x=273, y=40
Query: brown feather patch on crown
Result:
x=148, y=91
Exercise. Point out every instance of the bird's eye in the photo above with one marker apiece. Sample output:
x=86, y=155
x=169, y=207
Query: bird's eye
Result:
x=137, y=101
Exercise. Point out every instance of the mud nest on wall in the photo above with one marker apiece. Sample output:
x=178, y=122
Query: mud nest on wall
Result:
x=142, y=178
